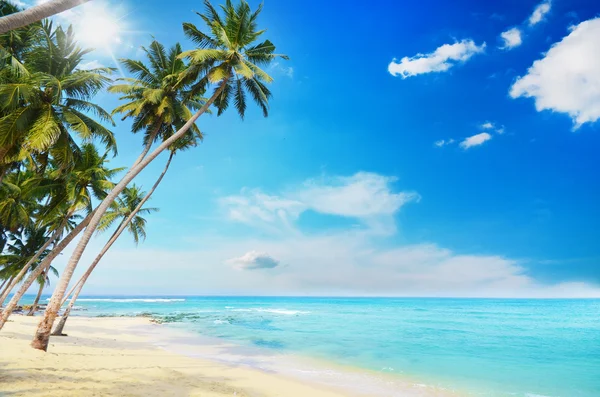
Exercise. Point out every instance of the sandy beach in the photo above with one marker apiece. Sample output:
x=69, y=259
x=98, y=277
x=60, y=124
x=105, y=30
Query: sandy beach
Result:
x=103, y=357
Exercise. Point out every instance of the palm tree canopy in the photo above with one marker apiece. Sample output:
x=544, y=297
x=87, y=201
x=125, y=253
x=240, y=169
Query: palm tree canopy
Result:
x=230, y=54
x=41, y=108
x=123, y=207
x=21, y=249
x=154, y=97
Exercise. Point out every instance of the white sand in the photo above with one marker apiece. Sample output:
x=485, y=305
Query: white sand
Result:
x=104, y=357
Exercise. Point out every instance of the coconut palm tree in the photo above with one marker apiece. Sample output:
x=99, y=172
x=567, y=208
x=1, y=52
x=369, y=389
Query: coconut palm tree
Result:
x=41, y=110
x=43, y=280
x=155, y=98
x=89, y=178
x=128, y=208
x=25, y=246
x=228, y=55
x=36, y=13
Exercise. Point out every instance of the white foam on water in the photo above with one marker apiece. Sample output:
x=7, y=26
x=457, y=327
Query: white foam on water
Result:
x=145, y=300
x=273, y=311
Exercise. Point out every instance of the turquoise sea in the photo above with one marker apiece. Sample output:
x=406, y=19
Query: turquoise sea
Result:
x=479, y=347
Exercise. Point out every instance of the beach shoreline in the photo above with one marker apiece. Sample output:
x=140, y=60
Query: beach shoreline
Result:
x=134, y=356
x=107, y=357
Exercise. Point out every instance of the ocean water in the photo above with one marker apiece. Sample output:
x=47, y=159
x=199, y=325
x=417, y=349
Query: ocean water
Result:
x=479, y=347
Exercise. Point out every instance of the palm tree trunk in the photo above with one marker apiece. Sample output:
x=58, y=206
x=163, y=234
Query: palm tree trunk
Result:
x=69, y=293
x=58, y=331
x=9, y=280
x=29, y=263
x=148, y=145
x=45, y=263
x=37, y=298
x=42, y=335
x=36, y=13
x=2, y=285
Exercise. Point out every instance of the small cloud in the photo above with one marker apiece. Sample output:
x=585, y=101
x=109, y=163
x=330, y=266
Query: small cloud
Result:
x=567, y=78
x=442, y=59
x=512, y=38
x=539, y=13
x=475, y=140
x=253, y=260
x=443, y=142
x=285, y=70
x=95, y=64
x=489, y=126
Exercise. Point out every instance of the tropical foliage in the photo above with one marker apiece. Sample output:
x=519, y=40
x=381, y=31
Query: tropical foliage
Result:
x=56, y=143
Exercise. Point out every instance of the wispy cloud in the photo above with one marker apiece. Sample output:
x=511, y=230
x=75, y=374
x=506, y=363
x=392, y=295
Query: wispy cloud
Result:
x=442, y=59
x=443, y=142
x=567, y=78
x=475, y=140
x=367, y=197
x=540, y=12
x=94, y=64
x=489, y=126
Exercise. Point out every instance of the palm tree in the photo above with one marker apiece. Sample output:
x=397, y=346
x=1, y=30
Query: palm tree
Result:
x=155, y=98
x=128, y=209
x=89, y=178
x=24, y=247
x=36, y=13
x=41, y=109
x=43, y=280
x=234, y=35
x=58, y=248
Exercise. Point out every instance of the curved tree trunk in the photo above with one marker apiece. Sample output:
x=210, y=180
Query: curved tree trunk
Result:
x=3, y=283
x=9, y=280
x=36, y=13
x=42, y=335
x=58, y=331
x=45, y=263
x=148, y=144
x=25, y=268
x=69, y=293
x=37, y=298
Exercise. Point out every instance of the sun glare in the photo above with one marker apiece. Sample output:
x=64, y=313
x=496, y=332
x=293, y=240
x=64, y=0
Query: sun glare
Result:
x=98, y=29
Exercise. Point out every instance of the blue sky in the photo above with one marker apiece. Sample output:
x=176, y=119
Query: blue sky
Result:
x=427, y=148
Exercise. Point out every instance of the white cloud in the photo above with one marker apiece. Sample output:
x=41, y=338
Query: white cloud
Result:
x=443, y=142
x=285, y=70
x=512, y=38
x=94, y=64
x=340, y=262
x=539, y=12
x=567, y=79
x=367, y=197
x=252, y=260
x=475, y=140
x=489, y=126
x=442, y=59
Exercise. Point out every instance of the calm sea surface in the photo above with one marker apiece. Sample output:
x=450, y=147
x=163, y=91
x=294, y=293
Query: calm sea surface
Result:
x=484, y=347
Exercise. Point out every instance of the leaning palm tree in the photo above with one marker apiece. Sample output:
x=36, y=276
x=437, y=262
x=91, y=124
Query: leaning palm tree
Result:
x=36, y=13
x=128, y=208
x=89, y=178
x=43, y=281
x=230, y=56
x=25, y=246
x=155, y=98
